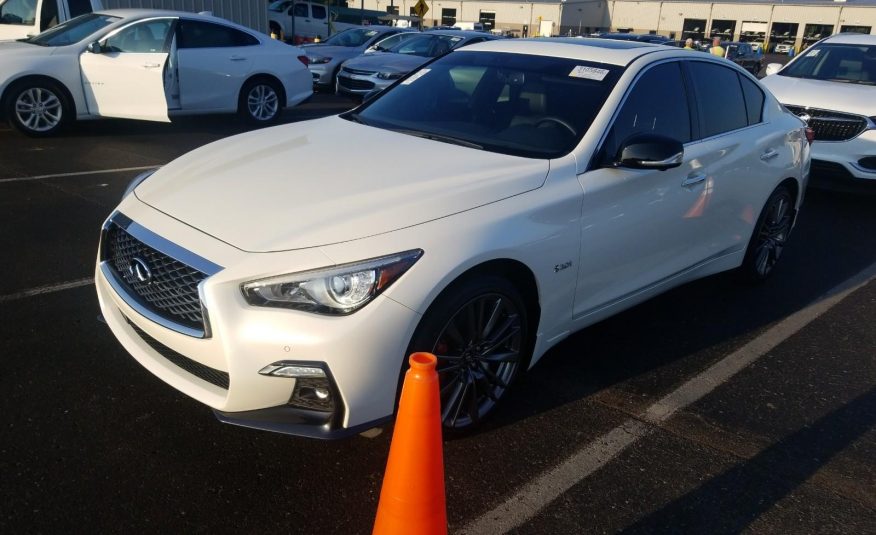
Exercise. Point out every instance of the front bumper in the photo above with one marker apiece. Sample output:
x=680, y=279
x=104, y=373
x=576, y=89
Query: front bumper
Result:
x=360, y=84
x=323, y=73
x=362, y=362
x=855, y=158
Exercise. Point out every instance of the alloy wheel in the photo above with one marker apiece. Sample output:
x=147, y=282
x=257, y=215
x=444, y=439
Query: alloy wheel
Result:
x=773, y=234
x=263, y=102
x=479, y=353
x=38, y=109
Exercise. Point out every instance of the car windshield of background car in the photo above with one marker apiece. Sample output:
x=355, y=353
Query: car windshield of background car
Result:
x=523, y=105
x=72, y=31
x=280, y=6
x=837, y=63
x=351, y=38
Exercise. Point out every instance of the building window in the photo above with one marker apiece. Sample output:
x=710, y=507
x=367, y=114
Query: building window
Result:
x=856, y=29
x=814, y=32
x=392, y=9
x=723, y=29
x=448, y=16
x=488, y=19
x=694, y=29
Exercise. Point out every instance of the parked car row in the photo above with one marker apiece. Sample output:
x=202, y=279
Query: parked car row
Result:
x=577, y=178
x=150, y=65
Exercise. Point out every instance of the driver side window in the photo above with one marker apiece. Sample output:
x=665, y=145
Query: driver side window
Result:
x=144, y=37
x=657, y=104
x=18, y=12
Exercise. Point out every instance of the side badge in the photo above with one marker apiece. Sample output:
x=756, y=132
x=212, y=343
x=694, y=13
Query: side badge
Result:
x=561, y=267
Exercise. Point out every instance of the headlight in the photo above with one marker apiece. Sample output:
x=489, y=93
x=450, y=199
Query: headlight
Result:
x=137, y=181
x=337, y=290
x=317, y=60
x=389, y=75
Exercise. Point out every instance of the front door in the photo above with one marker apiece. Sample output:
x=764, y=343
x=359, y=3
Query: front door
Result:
x=127, y=78
x=640, y=226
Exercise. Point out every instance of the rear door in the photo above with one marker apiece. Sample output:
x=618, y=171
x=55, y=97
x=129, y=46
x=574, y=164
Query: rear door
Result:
x=213, y=61
x=738, y=152
x=127, y=78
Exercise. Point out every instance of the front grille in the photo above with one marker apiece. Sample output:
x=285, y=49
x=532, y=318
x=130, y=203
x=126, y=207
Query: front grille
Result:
x=832, y=125
x=211, y=375
x=359, y=71
x=359, y=85
x=172, y=290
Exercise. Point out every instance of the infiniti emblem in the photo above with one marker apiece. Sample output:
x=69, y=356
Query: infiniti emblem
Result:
x=139, y=270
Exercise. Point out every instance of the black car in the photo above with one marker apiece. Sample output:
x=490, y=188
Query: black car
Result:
x=743, y=55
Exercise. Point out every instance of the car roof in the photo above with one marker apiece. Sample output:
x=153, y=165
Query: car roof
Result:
x=461, y=33
x=610, y=51
x=851, y=39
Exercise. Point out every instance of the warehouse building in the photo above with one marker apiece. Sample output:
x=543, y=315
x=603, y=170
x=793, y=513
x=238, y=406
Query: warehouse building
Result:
x=800, y=22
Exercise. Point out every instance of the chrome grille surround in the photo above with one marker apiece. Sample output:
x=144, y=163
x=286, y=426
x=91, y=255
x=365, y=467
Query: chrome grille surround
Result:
x=171, y=295
x=358, y=71
x=830, y=125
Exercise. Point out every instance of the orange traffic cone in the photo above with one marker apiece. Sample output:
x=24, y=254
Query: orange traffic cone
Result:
x=412, y=498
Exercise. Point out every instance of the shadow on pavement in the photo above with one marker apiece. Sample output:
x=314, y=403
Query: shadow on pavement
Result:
x=733, y=500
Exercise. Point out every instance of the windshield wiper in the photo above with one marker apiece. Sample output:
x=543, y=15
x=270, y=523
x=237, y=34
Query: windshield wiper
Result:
x=444, y=139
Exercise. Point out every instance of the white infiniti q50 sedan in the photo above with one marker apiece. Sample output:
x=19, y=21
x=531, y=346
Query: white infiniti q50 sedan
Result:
x=537, y=187
x=147, y=64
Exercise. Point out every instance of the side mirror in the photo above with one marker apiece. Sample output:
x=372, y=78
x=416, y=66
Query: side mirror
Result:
x=95, y=48
x=773, y=68
x=650, y=151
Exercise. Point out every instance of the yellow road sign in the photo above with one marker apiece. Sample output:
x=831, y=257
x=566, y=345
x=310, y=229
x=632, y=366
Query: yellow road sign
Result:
x=421, y=8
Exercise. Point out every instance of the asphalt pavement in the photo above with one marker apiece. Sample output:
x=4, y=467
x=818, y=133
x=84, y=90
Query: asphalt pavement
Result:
x=783, y=442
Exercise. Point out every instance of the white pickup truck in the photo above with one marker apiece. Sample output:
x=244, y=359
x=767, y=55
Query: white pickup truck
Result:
x=21, y=18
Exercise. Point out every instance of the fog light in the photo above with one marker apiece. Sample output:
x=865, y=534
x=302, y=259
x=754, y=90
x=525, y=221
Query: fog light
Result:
x=313, y=388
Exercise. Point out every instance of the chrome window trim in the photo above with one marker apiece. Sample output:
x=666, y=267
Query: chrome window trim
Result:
x=170, y=249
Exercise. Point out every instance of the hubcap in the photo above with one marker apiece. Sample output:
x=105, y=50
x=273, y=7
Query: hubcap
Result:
x=263, y=102
x=773, y=234
x=38, y=109
x=478, y=354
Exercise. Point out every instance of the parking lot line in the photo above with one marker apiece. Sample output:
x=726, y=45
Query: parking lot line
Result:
x=543, y=490
x=49, y=288
x=79, y=173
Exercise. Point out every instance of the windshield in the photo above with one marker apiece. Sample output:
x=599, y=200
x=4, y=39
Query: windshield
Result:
x=836, y=62
x=352, y=37
x=73, y=30
x=385, y=44
x=280, y=6
x=523, y=105
x=427, y=46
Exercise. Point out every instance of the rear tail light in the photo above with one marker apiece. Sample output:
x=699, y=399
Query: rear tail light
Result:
x=304, y=60
x=810, y=135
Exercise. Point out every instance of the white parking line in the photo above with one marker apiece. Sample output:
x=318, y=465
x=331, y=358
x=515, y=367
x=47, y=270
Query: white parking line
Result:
x=50, y=288
x=78, y=173
x=540, y=492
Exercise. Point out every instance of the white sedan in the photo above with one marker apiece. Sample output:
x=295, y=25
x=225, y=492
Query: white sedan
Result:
x=147, y=64
x=536, y=187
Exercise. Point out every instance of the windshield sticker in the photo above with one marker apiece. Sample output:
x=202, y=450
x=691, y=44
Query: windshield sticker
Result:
x=588, y=73
x=814, y=52
x=416, y=77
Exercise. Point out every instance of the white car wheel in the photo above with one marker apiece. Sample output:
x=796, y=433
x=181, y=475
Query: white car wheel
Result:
x=37, y=108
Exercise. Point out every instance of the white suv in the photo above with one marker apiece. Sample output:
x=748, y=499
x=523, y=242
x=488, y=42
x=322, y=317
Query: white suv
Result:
x=833, y=86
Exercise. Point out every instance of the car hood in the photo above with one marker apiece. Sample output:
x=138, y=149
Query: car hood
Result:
x=298, y=186
x=334, y=52
x=18, y=49
x=387, y=61
x=837, y=96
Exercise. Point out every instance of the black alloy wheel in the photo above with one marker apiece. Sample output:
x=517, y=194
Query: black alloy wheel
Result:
x=770, y=235
x=479, y=332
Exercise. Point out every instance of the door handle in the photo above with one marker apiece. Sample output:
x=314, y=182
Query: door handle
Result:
x=151, y=65
x=237, y=58
x=769, y=155
x=693, y=179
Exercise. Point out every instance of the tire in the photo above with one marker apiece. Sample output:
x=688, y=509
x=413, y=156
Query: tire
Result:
x=261, y=101
x=479, y=358
x=37, y=108
x=770, y=236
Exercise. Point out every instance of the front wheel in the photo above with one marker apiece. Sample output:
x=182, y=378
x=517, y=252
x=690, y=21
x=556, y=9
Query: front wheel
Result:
x=479, y=331
x=260, y=102
x=37, y=109
x=770, y=236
